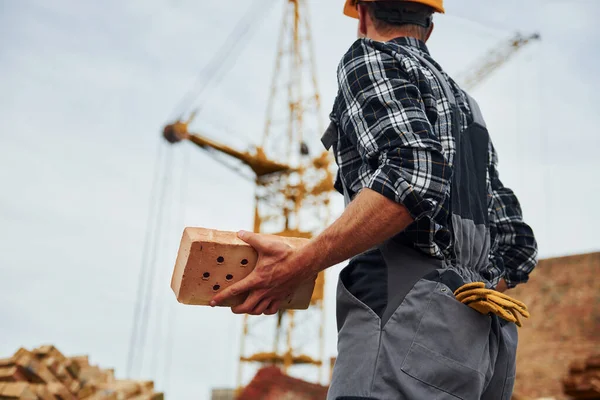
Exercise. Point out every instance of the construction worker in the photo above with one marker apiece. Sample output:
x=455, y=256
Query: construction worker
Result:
x=433, y=236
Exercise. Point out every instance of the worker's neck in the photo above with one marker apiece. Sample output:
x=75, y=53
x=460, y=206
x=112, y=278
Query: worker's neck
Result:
x=393, y=35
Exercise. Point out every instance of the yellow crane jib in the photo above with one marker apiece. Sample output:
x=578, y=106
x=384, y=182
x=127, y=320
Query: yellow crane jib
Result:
x=258, y=162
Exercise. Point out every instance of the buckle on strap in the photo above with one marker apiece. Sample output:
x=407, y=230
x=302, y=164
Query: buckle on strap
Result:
x=330, y=136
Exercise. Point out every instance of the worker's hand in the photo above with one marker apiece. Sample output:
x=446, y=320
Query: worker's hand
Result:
x=277, y=274
x=502, y=286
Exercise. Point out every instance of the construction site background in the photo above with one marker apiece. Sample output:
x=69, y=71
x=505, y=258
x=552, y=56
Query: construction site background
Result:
x=88, y=87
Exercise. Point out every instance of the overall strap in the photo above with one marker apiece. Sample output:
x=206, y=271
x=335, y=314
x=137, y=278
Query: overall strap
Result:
x=328, y=139
x=347, y=198
x=438, y=74
x=330, y=136
x=476, y=112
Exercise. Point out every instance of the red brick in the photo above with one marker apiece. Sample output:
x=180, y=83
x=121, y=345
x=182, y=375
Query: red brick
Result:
x=208, y=261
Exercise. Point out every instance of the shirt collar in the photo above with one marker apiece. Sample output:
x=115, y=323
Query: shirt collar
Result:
x=411, y=42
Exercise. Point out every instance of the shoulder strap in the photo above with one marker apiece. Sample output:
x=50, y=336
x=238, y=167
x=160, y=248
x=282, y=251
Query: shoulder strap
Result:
x=476, y=111
x=328, y=139
x=347, y=198
x=330, y=136
x=438, y=74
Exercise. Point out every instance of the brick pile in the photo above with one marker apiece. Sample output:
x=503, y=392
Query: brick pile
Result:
x=583, y=380
x=272, y=384
x=46, y=374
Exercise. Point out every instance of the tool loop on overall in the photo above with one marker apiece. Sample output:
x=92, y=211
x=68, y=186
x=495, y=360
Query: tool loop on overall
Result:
x=486, y=301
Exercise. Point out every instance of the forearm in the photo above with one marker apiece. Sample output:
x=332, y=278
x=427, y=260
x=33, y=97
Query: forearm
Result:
x=369, y=220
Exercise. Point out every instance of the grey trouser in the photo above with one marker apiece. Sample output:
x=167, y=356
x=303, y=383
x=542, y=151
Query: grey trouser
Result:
x=430, y=347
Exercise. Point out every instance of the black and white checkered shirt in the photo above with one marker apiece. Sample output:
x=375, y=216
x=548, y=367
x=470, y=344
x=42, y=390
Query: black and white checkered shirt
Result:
x=395, y=138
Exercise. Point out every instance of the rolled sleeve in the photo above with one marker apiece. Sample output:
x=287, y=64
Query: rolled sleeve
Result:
x=386, y=120
x=388, y=181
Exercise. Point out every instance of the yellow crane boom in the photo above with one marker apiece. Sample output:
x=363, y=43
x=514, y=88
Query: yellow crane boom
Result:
x=258, y=162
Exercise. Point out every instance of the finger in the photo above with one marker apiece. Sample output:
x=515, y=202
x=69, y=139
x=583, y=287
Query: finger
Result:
x=245, y=285
x=257, y=241
x=273, y=308
x=261, y=307
x=250, y=304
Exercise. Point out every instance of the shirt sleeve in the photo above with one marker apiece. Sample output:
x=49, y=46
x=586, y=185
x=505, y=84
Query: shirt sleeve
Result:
x=517, y=248
x=384, y=116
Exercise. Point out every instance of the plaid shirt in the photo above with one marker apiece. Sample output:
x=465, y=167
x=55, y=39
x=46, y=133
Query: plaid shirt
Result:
x=395, y=137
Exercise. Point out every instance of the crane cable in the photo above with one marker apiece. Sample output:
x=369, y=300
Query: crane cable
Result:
x=143, y=275
x=163, y=319
x=159, y=275
x=171, y=311
x=219, y=67
x=159, y=230
x=222, y=61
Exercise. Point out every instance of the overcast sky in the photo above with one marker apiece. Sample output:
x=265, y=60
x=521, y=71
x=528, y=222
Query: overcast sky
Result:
x=87, y=86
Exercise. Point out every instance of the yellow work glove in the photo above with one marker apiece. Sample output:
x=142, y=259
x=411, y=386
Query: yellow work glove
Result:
x=486, y=301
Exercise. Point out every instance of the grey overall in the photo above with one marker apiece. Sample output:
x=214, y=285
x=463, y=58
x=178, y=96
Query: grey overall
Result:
x=427, y=345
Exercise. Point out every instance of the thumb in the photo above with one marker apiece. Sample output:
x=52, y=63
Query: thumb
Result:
x=255, y=240
x=241, y=287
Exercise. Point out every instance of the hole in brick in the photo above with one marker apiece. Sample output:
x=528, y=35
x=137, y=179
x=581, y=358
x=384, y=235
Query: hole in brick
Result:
x=229, y=277
x=206, y=275
x=216, y=287
x=220, y=259
x=244, y=262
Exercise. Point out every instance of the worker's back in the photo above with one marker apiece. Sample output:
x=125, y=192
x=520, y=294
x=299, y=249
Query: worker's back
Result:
x=467, y=216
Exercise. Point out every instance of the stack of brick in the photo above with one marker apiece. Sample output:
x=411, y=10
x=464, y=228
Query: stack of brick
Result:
x=272, y=384
x=46, y=374
x=583, y=381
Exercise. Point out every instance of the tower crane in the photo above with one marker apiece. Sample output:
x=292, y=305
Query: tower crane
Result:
x=293, y=185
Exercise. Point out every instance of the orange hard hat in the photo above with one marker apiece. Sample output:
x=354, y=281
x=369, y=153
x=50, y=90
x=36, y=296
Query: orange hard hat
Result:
x=351, y=11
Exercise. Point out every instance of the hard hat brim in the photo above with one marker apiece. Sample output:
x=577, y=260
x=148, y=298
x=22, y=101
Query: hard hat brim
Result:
x=351, y=10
